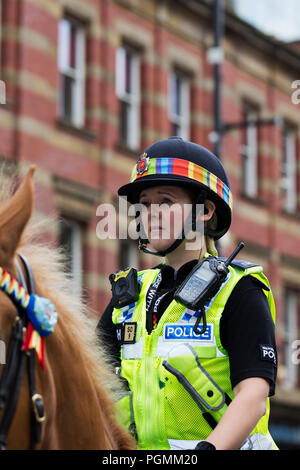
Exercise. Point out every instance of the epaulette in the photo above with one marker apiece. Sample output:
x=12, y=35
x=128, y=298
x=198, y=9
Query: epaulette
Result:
x=240, y=263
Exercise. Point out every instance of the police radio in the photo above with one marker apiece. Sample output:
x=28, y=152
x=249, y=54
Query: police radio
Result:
x=203, y=283
x=125, y=287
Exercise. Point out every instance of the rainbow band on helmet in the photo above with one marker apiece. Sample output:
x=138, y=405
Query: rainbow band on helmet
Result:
x=179, y=167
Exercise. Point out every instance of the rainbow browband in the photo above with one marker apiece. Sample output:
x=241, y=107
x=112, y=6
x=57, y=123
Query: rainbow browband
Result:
x=179, y=167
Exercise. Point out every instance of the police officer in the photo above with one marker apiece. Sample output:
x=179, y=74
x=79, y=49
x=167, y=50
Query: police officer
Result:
x=189, y=390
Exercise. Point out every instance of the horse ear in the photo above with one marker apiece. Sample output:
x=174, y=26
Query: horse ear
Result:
x=14, y=216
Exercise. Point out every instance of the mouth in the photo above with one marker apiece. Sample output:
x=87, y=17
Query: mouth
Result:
x=157, y=233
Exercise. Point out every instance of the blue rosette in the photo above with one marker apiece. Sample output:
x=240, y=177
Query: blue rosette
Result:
x=42, y=314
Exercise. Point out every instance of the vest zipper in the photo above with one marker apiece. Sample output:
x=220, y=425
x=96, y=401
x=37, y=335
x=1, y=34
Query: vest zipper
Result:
x=152, y=415
x=157, y=406
x=148, y=419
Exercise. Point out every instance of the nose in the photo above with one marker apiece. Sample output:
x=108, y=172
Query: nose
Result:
x=154, y=210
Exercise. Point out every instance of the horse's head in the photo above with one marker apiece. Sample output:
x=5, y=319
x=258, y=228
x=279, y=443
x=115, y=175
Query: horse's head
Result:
x=80, y=413
x=14, y=216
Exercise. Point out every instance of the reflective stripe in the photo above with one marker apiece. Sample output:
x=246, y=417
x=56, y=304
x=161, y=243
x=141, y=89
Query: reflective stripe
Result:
x=258, y=441
x=170, y=349
x=254, y=442
x=219, y=353
x=173, y=349
x=133, y=351
x=176, y=444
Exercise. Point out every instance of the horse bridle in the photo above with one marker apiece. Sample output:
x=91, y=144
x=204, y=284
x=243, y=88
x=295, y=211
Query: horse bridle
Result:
x=14, y=370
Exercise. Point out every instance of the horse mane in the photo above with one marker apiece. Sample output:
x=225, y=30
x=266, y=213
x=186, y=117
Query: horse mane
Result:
x=76, y=320
x=52, y=282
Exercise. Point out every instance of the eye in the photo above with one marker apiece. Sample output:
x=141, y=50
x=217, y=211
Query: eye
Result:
x=166, y=201
x=145, y=203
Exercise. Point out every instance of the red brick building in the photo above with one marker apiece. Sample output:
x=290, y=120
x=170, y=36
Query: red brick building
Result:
x=90, y=84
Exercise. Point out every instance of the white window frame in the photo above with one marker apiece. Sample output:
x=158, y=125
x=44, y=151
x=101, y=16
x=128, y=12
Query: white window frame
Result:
x=291, y=300
x=77, y=73
x=132, y=98
x=182, y=119
x=289, y=177
x=250, y=154
x=75, y=255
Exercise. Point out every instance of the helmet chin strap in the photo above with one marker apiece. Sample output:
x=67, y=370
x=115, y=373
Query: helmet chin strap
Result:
x=143, y=242
x=143, y=246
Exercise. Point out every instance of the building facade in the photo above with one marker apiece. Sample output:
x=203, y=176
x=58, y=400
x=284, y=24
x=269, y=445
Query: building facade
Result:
x=89, y=85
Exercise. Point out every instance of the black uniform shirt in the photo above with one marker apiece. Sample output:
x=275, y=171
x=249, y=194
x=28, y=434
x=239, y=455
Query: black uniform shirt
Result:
x=247, y=330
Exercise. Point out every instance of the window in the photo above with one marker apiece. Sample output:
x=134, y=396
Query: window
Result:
x=179, y=105
x=288, y=173
x=250, y=153
x=71, y=65
x=291, y=305
x=70, y=239
x=128, y=92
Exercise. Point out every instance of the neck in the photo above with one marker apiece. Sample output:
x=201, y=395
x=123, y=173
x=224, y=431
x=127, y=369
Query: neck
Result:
x=181, y=255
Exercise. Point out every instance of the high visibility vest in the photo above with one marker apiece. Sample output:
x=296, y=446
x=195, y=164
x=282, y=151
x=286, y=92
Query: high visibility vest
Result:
x=179, y=381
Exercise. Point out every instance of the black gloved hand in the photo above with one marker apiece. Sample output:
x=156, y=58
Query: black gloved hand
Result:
x=204, y=445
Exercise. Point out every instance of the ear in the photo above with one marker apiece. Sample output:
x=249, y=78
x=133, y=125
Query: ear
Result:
x=209, y=210
x=14, y=216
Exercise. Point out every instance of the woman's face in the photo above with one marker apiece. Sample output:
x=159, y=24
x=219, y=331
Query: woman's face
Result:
x=166, y=210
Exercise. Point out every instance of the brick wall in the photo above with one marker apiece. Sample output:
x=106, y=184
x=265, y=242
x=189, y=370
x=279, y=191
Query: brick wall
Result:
x=92, y=159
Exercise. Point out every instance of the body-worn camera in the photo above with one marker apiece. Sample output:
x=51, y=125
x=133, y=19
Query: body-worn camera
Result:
x=203, y=283
x=125, y=287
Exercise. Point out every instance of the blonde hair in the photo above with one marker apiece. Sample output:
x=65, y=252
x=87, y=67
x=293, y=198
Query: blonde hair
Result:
x=209, y=241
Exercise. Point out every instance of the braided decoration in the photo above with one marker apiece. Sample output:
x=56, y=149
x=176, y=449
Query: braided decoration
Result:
x=40, y=311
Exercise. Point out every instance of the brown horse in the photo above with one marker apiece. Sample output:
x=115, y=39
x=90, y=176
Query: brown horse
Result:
x=76, y=385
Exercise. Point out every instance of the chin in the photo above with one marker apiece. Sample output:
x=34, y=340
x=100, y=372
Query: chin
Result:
x=160, y=245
